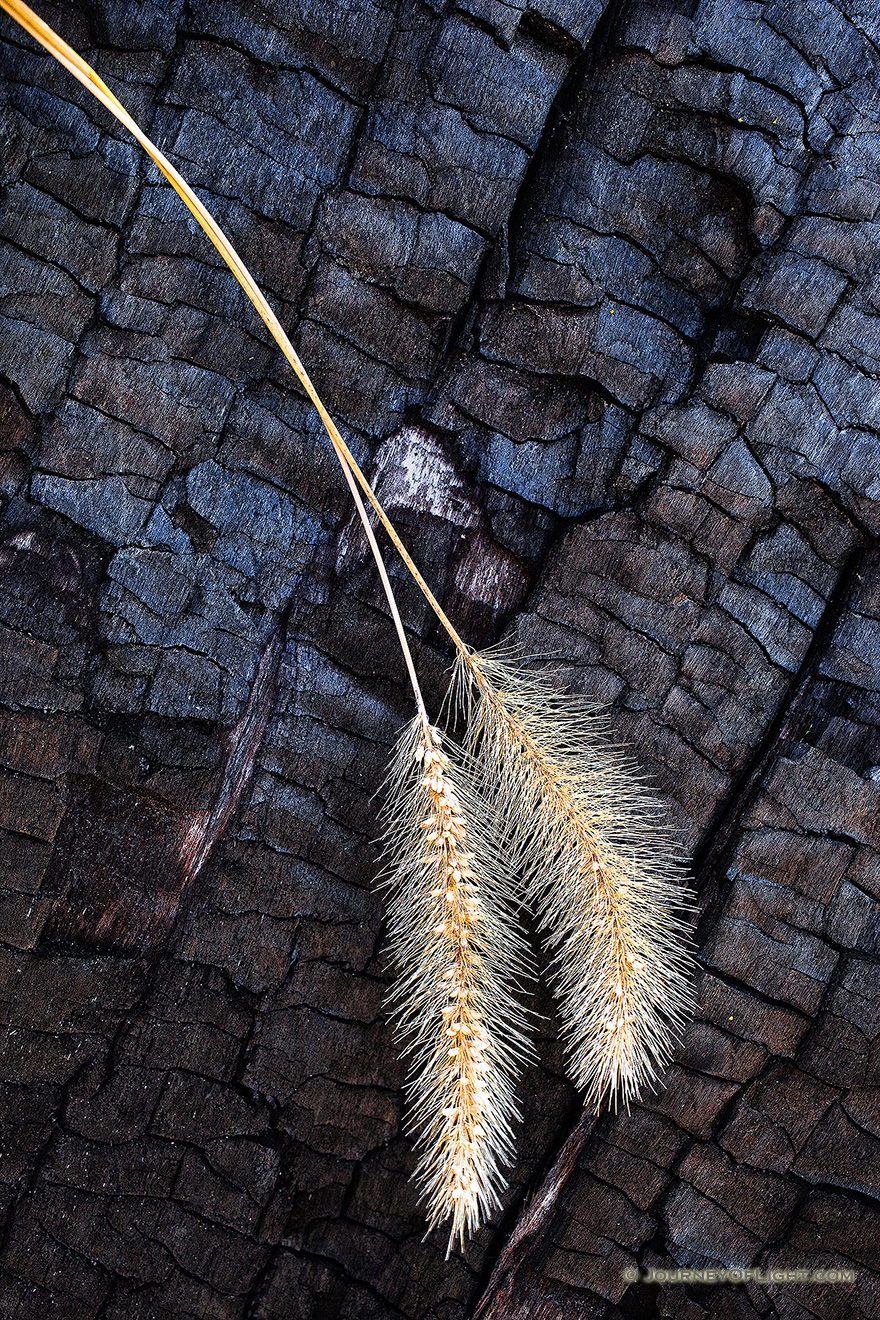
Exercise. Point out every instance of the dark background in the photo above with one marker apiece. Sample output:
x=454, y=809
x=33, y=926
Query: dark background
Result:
x=594, y=293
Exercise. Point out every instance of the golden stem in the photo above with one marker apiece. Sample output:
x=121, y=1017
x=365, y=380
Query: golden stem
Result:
x=85, y=74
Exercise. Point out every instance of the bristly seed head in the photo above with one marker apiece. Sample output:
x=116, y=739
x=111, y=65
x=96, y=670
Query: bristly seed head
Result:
x=600, y=870
x=459, y=956
x=454, y=939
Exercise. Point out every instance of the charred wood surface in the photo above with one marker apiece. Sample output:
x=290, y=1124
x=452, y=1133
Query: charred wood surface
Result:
x=594, y=291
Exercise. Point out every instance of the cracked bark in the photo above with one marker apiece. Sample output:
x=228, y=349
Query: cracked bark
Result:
x=608, y=275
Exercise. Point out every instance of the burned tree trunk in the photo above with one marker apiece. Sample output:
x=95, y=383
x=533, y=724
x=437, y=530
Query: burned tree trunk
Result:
x=593, y=292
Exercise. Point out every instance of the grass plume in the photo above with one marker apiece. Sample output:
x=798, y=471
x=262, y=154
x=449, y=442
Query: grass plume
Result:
x=597, y=862
x=459, y=955
x=600, y=873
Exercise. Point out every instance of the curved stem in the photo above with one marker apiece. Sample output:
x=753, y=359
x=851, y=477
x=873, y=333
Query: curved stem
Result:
x=389, y=596
x=85, y=74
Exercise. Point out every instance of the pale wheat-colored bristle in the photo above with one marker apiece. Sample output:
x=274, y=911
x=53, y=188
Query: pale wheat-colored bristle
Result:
x=600, y=870
x=459, y=956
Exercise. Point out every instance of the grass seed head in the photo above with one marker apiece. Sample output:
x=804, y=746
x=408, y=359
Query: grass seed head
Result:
x=601, y=873
x=459, y=958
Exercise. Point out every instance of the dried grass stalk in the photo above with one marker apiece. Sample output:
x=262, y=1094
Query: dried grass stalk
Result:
x=49, y=39
x=598, y=864
x=600, y=868
x=459, y=957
